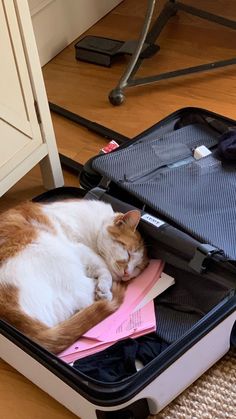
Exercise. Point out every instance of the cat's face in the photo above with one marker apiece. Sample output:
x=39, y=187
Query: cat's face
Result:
x=123, y=248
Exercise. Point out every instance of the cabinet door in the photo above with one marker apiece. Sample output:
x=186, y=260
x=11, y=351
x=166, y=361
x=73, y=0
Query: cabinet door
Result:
x=19, y=126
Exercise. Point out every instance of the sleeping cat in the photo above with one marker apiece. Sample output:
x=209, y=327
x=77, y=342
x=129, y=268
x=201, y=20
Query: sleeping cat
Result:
x=59, y=258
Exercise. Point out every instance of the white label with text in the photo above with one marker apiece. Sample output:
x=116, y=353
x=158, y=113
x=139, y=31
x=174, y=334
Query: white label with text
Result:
x=152, y=220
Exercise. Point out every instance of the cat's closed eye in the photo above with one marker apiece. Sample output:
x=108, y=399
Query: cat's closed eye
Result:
x=122, y=263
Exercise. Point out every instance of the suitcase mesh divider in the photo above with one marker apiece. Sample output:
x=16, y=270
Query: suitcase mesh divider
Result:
x=199, y=196
x=142, y=158
x=187, y=301
x=172, y=323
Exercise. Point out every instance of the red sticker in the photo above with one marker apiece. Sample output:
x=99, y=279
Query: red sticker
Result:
x=112, y=145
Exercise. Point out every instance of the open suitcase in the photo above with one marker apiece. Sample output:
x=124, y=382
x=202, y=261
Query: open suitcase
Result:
x=192, y=232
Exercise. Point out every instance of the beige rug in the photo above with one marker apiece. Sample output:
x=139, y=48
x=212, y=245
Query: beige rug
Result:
x=213, y=396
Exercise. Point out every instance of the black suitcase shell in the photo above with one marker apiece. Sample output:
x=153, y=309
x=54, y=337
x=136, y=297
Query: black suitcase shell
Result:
x=154, y=386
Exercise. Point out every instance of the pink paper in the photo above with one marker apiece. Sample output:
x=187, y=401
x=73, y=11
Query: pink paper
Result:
x=135, y=322
x=125, y=321
x=138, y=322
x=136, y=291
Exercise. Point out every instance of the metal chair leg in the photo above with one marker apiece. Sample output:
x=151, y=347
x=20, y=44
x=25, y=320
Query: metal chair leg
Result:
x=116, y=96
x=171, y=7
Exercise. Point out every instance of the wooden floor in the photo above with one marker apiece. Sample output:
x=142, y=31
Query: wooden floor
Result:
x=84, y=88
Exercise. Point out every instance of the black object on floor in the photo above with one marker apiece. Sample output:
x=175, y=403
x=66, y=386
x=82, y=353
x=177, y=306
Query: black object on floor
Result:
x=104, y=51
x=98, y=50
x=72, y=165
x=90, y=125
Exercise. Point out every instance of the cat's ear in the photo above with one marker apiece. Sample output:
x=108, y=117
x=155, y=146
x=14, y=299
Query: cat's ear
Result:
x=130, y=218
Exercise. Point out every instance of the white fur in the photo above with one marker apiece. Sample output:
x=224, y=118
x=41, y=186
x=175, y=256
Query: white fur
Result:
x=60, y=273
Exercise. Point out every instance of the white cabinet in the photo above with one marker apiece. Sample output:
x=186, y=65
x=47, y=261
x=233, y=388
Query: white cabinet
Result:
x=26, y=132
x=59, y=22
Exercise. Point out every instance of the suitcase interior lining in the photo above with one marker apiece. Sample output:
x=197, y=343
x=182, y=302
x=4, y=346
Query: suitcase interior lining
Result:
x=191, y=297
x=179, y=310
x=182, y=307
x=161, y=152
x=160, y=171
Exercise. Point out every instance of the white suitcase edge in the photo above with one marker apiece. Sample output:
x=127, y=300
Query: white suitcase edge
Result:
x=159, y=393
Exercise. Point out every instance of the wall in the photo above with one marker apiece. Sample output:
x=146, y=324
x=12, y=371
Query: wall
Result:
x=59, y=22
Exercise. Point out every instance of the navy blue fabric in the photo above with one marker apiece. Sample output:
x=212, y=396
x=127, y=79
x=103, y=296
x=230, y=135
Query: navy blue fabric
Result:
x=118, y=361
x=227, y=145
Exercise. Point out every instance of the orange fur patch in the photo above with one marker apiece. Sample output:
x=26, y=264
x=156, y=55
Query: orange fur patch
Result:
x=129, y=238
x=57, y=338
x=18, y=228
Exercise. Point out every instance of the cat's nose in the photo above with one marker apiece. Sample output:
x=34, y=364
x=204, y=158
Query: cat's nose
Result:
x=126, y=275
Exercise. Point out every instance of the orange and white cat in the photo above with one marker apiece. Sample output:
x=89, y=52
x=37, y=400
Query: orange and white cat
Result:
x=62, y=266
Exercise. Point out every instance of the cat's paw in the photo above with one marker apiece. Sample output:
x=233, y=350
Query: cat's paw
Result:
x=103, y=293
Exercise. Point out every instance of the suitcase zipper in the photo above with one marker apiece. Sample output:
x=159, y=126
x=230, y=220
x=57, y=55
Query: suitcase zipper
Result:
x=173, y=165
x=159, y=170
x=94, y=174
